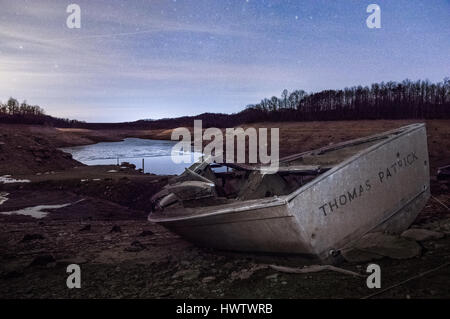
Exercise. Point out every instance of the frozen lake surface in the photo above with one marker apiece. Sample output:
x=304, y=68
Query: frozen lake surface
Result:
x=156, y=154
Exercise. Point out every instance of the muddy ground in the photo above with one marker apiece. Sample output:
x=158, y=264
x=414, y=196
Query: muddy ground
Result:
x=123, y=256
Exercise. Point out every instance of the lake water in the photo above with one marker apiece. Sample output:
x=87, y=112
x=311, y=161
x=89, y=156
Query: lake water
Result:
x=156, y=154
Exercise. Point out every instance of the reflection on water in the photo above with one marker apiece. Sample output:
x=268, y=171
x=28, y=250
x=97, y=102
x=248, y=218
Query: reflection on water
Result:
x=156, y=154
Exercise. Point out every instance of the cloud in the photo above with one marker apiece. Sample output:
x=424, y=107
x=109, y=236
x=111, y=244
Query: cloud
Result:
x=74, y=71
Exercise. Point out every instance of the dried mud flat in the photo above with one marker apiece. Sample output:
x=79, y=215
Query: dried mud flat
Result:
x=104, y=229
x=135, y=259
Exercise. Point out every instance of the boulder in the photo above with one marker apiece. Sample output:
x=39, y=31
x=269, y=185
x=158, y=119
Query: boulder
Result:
x=208, y=279
x=419, y=234
x=187, y=274
x=136, y=246
x=146, y=233
x=374, y=245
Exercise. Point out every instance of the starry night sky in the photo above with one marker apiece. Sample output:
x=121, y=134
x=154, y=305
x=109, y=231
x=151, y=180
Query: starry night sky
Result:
x=164, y=58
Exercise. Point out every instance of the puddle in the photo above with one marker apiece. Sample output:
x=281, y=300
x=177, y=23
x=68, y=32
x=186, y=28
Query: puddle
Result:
x=3, y=197
x=6, y=179
x=37, y=211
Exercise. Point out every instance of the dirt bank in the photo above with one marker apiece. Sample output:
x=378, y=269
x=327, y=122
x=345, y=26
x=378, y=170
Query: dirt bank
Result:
x=31, y=149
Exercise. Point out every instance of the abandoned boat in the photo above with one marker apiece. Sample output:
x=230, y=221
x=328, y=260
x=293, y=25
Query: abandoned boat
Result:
x=318, y=203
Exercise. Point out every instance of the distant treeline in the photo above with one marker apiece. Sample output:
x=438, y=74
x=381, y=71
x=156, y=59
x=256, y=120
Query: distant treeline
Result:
x=390, y=100
x=13, y=112
x=385, y=100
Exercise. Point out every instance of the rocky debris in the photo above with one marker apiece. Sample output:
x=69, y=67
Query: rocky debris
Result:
x=136, y=246
x=208, y=279
x=246, y=272
x=116, y=229
x=42, y=260
x=441, y=225
x=185, y=263
x=146, y=233
x=418, y=234
x=85, y=228
x=31, y=237
x=443, y=173
x=373, y=245
x=273, y=277
x=263, y=185
x=187, y=274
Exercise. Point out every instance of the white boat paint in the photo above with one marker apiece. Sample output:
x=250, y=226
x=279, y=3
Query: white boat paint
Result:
x=381, y=187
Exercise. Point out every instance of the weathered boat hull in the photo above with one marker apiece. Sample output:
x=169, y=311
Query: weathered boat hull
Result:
x=383, y=187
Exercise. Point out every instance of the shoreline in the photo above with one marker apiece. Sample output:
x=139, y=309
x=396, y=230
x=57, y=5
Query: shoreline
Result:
x=295, y=137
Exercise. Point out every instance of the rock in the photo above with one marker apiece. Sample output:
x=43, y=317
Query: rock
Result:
x=388, y=246
x=245, y=273
x=185, y=263
x=42, y=260
x=187, y=274
x=146, y=233
x=136, y=246
x=115, y=229
x=208, y=279
x=272, y=277
x=418, y=234
x=31, y=237
x=86, y=228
